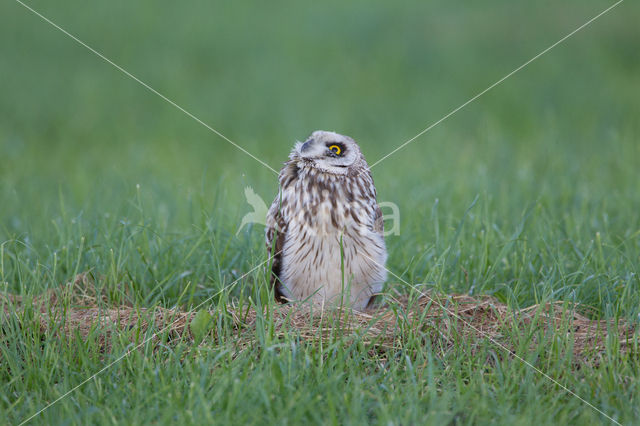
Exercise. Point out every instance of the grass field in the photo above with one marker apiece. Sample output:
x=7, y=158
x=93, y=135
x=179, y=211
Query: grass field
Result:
x=530, y=194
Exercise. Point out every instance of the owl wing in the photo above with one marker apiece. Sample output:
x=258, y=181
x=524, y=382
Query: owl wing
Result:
x=275, y=232
x=378, y=223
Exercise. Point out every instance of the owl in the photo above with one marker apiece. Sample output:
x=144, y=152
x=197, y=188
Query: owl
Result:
x=324, y=230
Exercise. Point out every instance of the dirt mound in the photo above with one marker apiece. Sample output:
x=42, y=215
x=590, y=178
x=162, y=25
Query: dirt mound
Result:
x=76, y=309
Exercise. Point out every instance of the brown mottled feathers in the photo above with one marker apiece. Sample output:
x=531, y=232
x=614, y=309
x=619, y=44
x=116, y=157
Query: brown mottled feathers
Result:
x=276, y=228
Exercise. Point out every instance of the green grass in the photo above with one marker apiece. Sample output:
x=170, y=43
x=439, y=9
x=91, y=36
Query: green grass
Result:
x=552, y=156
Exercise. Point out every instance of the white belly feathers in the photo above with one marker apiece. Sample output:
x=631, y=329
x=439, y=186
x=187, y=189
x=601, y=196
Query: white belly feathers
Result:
x=313, y=268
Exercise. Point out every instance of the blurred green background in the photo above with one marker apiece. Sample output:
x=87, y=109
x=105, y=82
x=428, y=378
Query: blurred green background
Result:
x=529, y=194
x=556, y=143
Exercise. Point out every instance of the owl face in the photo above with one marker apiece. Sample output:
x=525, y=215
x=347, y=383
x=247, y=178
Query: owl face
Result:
x=328, y=151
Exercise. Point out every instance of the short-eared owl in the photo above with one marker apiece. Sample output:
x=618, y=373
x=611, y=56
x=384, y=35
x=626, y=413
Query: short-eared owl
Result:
x=324, y=229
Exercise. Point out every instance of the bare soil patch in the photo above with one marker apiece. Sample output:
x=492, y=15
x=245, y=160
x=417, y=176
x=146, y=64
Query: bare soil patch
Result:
x=75, y=309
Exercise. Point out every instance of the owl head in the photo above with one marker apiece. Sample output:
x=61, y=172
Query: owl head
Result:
x=328, y=151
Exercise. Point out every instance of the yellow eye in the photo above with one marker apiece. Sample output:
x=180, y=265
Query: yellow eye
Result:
x=335, y=149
